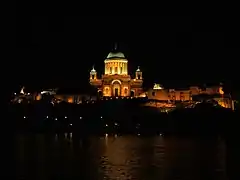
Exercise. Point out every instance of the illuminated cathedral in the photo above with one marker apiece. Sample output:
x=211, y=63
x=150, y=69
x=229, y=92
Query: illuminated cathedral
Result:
x=116, y=81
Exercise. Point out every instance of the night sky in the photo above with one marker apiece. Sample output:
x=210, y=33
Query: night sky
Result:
x=174, y=51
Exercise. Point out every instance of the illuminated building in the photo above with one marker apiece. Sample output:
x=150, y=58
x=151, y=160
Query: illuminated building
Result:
x=191, y=94
x=116, y=81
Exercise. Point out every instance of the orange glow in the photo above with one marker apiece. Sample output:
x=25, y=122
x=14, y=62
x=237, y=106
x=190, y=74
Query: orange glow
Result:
x=222, y=104
x=38, y=97
x=116, y=67
x=221, y=90
x=70, y=100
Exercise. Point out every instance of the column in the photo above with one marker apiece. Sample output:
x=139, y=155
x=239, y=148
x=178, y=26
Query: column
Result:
x=121, y=67
x=105, y=68
x=111, y=65
x=118, y=67
x=126, y=68
x=106, y=72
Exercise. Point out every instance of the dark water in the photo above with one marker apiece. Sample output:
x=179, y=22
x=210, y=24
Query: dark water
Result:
x=122, y=158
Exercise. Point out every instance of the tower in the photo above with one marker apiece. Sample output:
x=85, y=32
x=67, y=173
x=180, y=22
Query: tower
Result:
x=93, y=74
x=138, y=74
x=94, y=81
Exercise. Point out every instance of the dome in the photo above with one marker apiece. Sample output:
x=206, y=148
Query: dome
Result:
x=115, y=55
x=157, y=86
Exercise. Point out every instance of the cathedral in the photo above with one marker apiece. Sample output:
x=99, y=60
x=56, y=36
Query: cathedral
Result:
x=116, y=81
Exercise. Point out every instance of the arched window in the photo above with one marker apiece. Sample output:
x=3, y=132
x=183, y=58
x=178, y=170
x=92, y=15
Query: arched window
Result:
x=92, y=76
x=182, y=96
x=132, y=93
x=139, y=76
x=110, y=70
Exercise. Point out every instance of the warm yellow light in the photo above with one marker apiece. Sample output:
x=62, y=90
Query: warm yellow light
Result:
x=221, y=90
x=116, y=60
x=116, y=66
x=157, y=86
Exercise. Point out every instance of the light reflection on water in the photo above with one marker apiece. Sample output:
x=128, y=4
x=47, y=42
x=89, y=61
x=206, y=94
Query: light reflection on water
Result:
x=119, y=157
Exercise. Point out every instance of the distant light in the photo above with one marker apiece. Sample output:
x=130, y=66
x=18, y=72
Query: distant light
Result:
x=24, y=117
x=138, y=134
x=101, y=117
x=65, y=117
x=22, y=91
x=138, y=126
x=55, y=119
x=115, y=124
x=221, y=91
x=15, y=93
x=160, y=134
x=70, y=124
x=47, y=116
x=80, y=117
x=106, y=125
x=157, y=86
x=115, y=135
x=106, y=135
x=28, y=93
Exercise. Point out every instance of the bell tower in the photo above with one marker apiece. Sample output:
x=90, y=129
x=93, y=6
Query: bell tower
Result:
x=93, y=74
x=138, y=74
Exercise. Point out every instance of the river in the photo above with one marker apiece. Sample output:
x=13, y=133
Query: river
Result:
x=119, y=158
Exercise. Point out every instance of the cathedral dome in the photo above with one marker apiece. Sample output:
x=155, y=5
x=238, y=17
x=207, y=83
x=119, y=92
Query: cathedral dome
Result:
x=115, y=55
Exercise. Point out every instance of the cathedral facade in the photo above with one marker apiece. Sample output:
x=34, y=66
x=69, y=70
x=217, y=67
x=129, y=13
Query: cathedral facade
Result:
x=116, y=81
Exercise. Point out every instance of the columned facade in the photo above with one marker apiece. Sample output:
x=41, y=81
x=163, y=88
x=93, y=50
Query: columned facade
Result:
x=116, y=81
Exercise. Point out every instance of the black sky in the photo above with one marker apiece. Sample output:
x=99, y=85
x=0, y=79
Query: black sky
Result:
x=172, y=50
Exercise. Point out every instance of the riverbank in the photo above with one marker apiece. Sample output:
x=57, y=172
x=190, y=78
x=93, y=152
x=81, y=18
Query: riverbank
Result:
x=119, y=117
